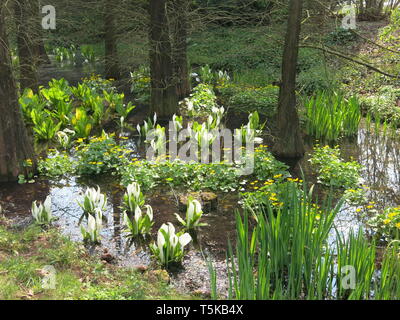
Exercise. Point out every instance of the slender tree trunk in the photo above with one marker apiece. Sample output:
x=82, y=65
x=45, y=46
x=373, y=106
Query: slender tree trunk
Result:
x=111, y=51
x=290, y=144
x=179, y=31
x=41, y=50
x=27, y=47
x=164, y=98
x=15, y=147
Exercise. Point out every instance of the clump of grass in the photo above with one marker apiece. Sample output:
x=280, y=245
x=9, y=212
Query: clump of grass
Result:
x=331, y=116
x=287, y=256
x=24, y=254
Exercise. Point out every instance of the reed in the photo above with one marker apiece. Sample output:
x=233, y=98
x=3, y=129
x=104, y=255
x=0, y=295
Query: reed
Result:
x=331, y=116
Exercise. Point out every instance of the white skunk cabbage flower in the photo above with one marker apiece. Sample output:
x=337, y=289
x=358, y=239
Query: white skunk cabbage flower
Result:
x=42, y=213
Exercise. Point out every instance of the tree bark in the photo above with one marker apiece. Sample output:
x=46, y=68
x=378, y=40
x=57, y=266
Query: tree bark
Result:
x=15, y=146
x=111, y=51
x=289, y=143
x=24, y=18
x=179, y=31
x=164, y=98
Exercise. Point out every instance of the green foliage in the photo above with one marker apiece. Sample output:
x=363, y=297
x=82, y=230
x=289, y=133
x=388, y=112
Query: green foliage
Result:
x=100, y=155
x=91, y=233
x=264, y=100
x=340, y=36
x=358, y=253
x=334, y=171
x=331, y=116
x=56, y=164
x=285, y=256
x=170, y=245
x=384, y=104
x=139, y=224
x=42, y=213
x=194, y=213
x=79, y=109
x=387, y=224
x=201, y=101
x=193, y=176
x=141, y=84
x=267, y=167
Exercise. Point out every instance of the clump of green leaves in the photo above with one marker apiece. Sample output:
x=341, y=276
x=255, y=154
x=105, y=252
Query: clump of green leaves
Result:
x=135, y=221
x=42, y=213
x=91, y=233
x=56, y=164
x=93, y=202
x=341, y=36
x=331, y=116
x=264, y=100
x=387, y=224
x=101, y=155
x=194, y=213
x=170, y=245
x=140, y=223
x=334, y=171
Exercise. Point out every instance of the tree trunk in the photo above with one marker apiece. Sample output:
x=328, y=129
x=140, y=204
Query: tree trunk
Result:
x=289, y=143
x=25, y=19
x=111, y=51
x=15, y=146
x=164, y=98
x=179, y=30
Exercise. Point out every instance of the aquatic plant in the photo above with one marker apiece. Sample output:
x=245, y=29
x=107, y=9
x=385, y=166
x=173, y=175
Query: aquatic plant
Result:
x=42, y=213
x=140, y=224
x=93, y=200
x=169, y=246
x=82, y=123
x=194, y=213
x=147, y=126
x=64, y=138
x=100, y=155
x=133, y=197
x=91, y=233
x=334, y=171
x=285, y=256
x=331, y=116
x=386, y=224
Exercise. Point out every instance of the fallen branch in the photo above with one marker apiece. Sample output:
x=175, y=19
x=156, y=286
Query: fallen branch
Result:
x=342, y=55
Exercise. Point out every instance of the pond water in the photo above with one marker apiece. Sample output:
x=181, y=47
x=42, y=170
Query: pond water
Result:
x=379, y=155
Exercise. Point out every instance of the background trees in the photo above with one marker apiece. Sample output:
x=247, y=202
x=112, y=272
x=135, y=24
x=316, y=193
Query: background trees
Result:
x=164, y=97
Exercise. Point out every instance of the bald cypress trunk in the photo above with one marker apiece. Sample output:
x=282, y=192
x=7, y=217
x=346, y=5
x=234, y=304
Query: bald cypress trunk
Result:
x=164, y=99
x=15, y=146
x=179, y=31
x=111, y=51
x=289, y=141
x=26, y=21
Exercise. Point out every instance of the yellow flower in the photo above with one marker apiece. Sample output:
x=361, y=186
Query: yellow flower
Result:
x=398, y=225
x=387, y=221
x=278, y=176
x=393, y=214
